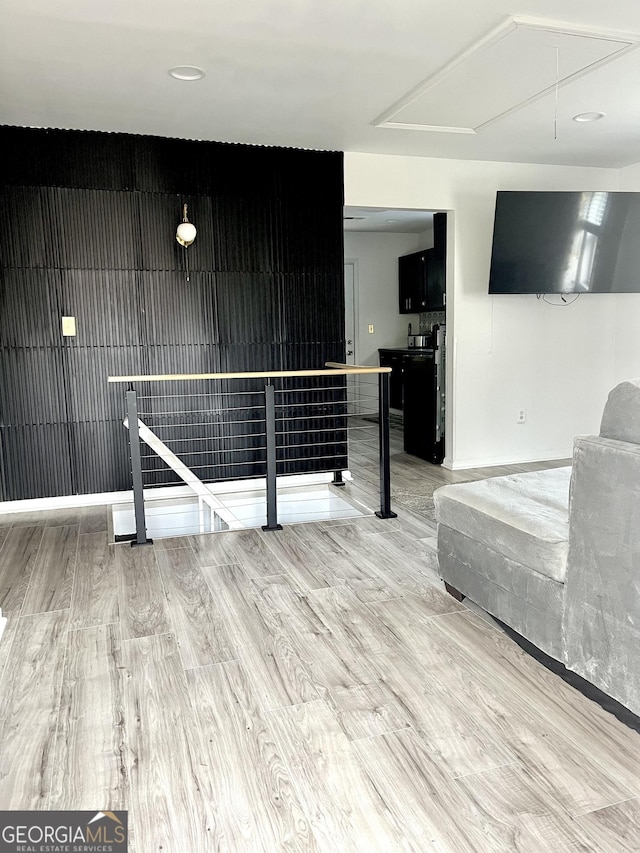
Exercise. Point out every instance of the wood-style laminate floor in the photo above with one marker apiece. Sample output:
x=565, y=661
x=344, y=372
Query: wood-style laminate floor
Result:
x=312, y=689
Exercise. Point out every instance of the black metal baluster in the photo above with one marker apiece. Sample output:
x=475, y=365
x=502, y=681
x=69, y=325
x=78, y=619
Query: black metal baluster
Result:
x=272, y=488
x=383, y=433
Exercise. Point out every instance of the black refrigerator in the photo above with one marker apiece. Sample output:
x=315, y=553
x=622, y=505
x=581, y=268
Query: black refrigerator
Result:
x=424, y=401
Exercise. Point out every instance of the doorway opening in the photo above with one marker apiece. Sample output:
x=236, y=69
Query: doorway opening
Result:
x=374, y=239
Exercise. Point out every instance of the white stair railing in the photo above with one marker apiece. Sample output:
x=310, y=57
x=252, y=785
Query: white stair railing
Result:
x=185, y=473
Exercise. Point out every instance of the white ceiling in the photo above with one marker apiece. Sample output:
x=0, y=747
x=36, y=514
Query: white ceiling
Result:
x=388, y=220
x=321, y=74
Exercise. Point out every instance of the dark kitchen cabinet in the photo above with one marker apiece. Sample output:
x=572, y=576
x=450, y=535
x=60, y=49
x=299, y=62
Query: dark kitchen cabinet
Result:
x=422, y=275
x=437, y=280
x=412, y=280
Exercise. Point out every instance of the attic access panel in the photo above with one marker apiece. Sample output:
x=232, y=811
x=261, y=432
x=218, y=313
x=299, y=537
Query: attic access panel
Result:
x=514, y=65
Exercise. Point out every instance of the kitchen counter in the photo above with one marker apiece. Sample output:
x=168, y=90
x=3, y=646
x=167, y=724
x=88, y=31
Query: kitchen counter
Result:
x=408, y=350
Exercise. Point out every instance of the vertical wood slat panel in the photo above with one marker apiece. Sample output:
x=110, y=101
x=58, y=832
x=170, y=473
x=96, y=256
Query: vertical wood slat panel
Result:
x=109, y=469
x=179, y=312
x=23, y=228
x=57, y=158
x=32, y=387
x=91, y=229
x=29, y=307
x=36, y=461
x=106, y=305
x=90, y=398
x=87, y=229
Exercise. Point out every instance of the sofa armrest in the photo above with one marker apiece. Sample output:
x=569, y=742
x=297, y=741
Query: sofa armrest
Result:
x=602, y=590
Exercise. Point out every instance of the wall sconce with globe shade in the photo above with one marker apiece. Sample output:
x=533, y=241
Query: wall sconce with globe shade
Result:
x=185, y=235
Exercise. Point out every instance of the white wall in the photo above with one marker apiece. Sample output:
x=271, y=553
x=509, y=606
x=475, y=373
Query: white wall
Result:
x=627, y=352
x=507, y=352
x=377, y=290
x=426, y=238
x=630, y=178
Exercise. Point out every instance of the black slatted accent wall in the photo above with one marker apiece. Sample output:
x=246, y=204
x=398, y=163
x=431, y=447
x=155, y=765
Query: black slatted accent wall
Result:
x=87, y=229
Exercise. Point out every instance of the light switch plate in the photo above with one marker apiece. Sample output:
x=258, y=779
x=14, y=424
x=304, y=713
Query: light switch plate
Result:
x=370, y=328
x=69, y=327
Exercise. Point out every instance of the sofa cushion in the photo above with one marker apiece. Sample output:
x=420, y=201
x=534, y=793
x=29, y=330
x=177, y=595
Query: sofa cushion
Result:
x=522, y=516
x=621, y=415
x=530, y=603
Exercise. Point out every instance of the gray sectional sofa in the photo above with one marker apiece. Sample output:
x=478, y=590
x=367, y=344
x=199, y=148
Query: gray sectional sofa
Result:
x=556, y=554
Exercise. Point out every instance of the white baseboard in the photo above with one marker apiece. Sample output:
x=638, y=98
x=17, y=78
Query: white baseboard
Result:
x=464, y=464
x=160, y=492
x=65, y=502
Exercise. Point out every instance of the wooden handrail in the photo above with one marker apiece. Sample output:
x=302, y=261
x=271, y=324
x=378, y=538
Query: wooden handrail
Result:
x=337, y=369
x=356, y=368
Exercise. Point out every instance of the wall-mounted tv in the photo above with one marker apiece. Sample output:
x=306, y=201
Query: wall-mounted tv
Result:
x=566, y=242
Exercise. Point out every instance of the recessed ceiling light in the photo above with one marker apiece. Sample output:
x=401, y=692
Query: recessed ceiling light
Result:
x=391, y=220
x=187, y=72
x=589, y=117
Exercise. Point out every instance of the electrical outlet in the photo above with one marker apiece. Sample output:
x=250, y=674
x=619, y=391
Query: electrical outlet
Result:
x=522, y=416
x=370, y=328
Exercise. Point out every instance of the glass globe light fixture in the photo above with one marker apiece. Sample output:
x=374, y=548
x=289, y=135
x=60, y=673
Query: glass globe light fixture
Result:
x=186, y=231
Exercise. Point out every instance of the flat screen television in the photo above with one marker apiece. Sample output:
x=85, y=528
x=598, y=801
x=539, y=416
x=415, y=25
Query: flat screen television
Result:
x=566, y=242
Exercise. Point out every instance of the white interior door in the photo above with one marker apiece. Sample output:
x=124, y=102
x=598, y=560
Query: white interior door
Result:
x=350, y=331
x=350, y=311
